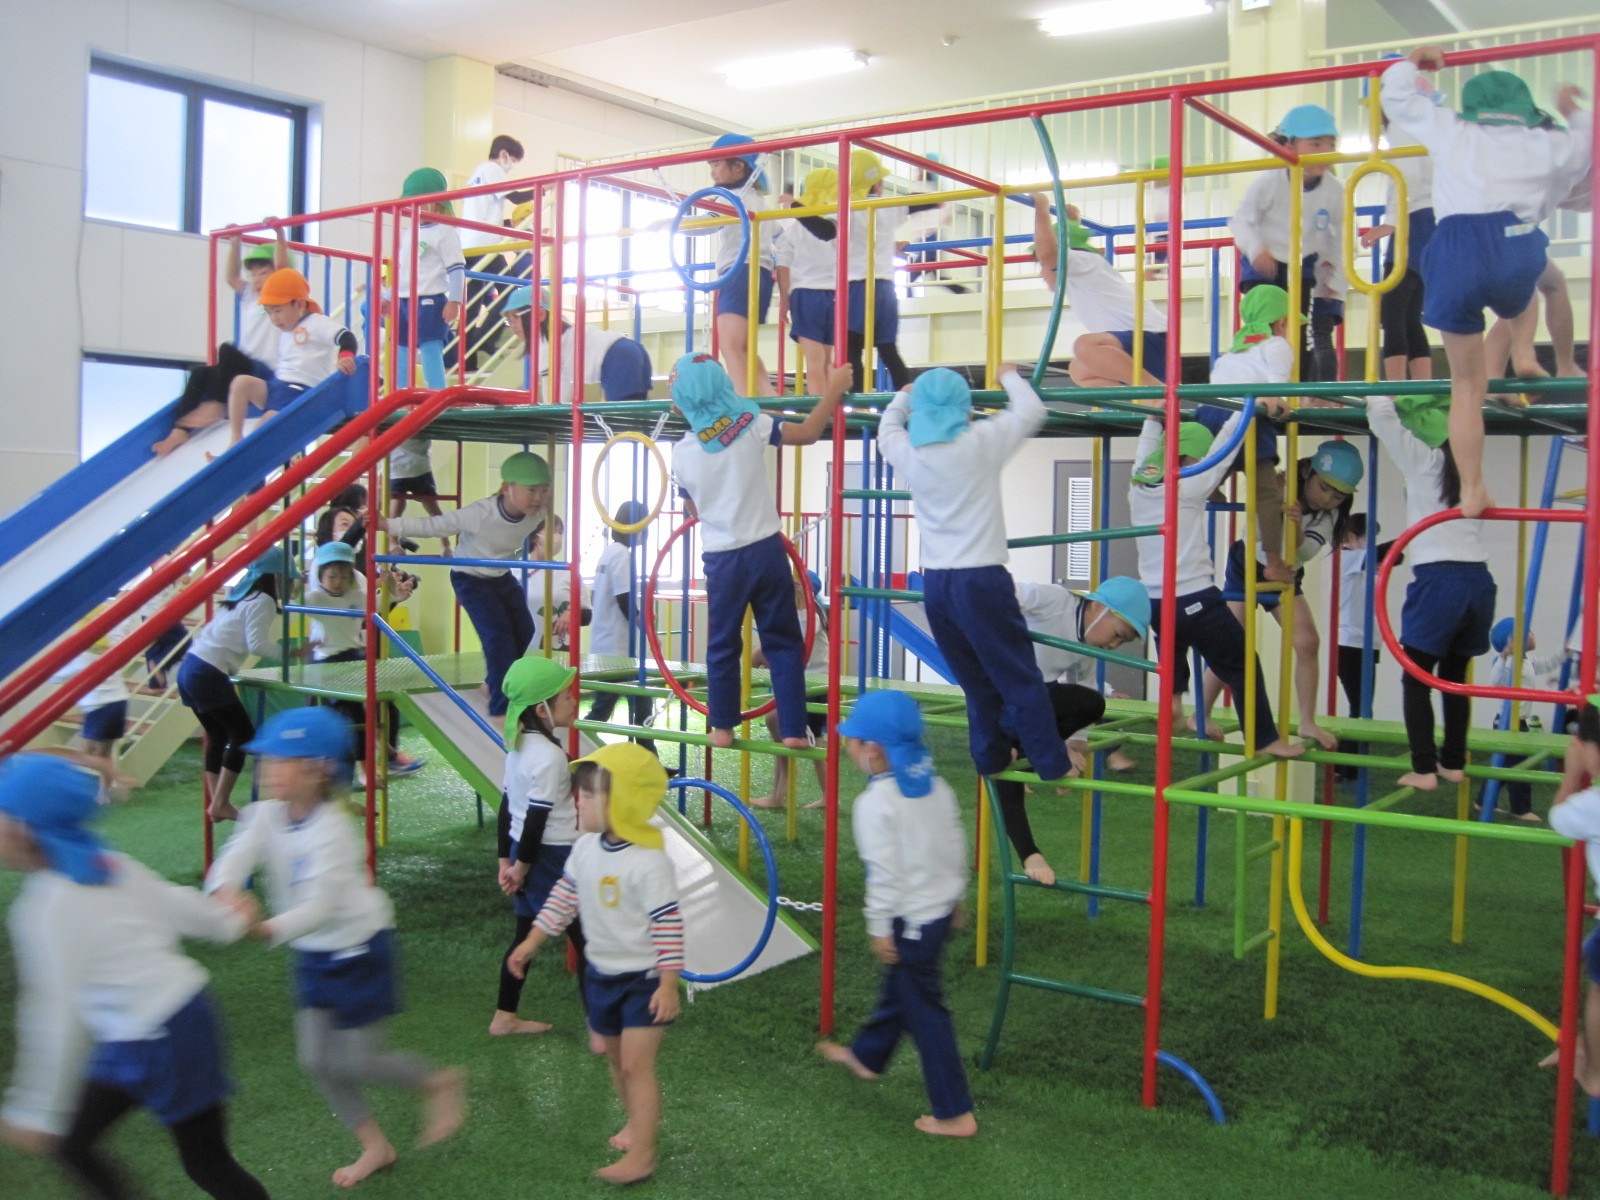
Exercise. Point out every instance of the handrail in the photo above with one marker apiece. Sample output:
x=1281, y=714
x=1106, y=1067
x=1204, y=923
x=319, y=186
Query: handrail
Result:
x=436, y=679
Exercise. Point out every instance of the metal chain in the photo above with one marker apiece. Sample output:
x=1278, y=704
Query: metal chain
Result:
x=800, y=905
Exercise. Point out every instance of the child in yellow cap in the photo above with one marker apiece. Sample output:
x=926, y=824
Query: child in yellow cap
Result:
x=619, y=880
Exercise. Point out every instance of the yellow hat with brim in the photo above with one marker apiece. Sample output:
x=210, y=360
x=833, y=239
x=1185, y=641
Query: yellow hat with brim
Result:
x=821, y=188
x=638, y=785
x=866, y=169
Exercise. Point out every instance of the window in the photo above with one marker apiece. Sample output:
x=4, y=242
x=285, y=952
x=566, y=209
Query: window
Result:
x=170, y=153
x=118, y=392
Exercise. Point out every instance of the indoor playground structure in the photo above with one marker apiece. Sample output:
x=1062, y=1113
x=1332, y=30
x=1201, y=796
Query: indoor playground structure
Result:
x=203, y=520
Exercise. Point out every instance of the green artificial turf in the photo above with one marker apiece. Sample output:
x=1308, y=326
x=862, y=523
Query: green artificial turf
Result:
x=1359, y=1088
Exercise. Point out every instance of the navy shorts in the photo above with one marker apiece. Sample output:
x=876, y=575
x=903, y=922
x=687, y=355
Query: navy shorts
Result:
x=542, y=878
x=625, y=371
x=733, y=297
x=1233, y=580
x=359, y=985
x=1214, y=418
x=430, y=321
x=203, y=687
x=885, y=310
x=1155, y=350
x=1449, y=609
x=166, y=642
x=811, y=315
x=414, y=485
x=1476, y=261
x=106, y=723
x=177, y=1075
x=280, y=394
x=618, y=1002
x=1591, y=954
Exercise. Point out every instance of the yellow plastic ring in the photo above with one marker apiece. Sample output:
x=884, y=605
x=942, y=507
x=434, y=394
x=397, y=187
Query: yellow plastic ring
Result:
x=594, y=481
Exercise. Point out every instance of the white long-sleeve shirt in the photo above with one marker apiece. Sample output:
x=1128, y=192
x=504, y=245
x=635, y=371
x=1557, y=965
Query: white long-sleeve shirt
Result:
x=1417, y=171
x=1488, y=168
x=1578, y=818
x=1262, y=223
x=98, y=964
x=1052, y=609
x=234, y=634
x=336, y=635
x=441, y=267
x=955, y=486
x=1353, y=599
x=317, y=886
x=915, y=853
x=1420, y=469
x=1147, y=506
x=1538, y=670
x=487, y=209
x=483, y=528
x=1102, y=299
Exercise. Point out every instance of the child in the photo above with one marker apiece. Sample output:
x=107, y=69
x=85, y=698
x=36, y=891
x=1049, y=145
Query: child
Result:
x=1406, y=352
x=952, y=466
x=611, y=631
x=440, y=284
x=1354, y=619
x=494, y=527
x=867, y=174
x=1261, y=226
x=1575, y=813
x=1450, y=603
x=620, y=365
x=538, y=820
x=1540, y=672
x=340, y=926
x=98, y=959
x=808, y=272
x=1327, y=484
x=816, y=722
x=1114, y=615
x=721, y=466
x=1524, y=360
x=1202, y=617
x=738, y=174
x=311, y=346
x=908, y=833
x=104, y=708
x=550, y=591
x=619, y=882
x=1103, y=302
x=1500, y=167
x=245, y=624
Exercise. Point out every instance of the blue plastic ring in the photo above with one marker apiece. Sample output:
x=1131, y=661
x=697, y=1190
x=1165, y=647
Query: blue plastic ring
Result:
x=772, y=878
x=744, y=238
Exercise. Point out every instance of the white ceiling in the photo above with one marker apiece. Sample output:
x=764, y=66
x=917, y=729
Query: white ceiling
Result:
x=673, y=51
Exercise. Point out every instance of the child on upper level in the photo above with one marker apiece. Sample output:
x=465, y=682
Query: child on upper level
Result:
x=808, y=273
x=1500, y=166
x=952, y=466
x=618, y=363
x=721, y=466
x=741, y=175
x=867, y=174
x=908, y=832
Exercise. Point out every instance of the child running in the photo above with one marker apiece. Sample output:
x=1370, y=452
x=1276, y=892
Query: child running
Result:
x=340, y=926
x=953, y=465
x=538, y=820
x=98, y=961
x=1501, y=165
x=1449, y=606
x=495, y=527
x=721, y=466
x=619, y=882
x=908, y=832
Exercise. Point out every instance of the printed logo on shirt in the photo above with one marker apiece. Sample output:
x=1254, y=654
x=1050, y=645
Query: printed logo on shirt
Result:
x=726, y=429
x=610, y=891
x=301, y=335
x=1322, y=221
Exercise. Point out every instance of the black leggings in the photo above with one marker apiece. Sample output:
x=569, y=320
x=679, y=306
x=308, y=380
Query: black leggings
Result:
x=1350, y=669
x=639, y=710
x=1452, y=755
x=511, y=986
x=228, y=730
x=1076, y=708
x=1400, y=314
x=888, y=354
x=202, y=1143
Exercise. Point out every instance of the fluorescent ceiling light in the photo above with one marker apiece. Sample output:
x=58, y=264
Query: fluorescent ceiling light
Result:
x=1096, y=16
x=781, y=69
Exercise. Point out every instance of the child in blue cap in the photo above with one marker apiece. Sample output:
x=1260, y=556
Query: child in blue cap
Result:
x=1500, y=167
x=741, y=174
x=721, y=465
x=619, y=364
x=340, y=925
x=952, y=466
x=908, y=832
x=101, y=976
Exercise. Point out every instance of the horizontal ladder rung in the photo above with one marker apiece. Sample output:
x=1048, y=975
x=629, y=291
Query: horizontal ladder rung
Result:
x=1079, y=989
x=1261, y=851
x=1260, y=939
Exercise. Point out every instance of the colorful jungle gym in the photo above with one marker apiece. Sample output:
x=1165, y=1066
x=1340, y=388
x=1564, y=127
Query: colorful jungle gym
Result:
x=852, y=539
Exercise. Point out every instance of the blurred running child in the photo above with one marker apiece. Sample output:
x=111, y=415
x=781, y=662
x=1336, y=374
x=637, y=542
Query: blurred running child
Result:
x=620, y=365
x=611, y=629
x=104, y=708
x=340, y=926
x=311, y=347
x=908, y=832
x=619, y=882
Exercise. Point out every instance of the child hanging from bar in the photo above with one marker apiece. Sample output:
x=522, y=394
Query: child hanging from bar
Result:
x=952, y=465
x=1501, y=165
x=1449, y=606
x=721, y=465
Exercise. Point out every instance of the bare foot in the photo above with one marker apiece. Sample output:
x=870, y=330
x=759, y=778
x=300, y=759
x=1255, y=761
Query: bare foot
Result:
x=1475, y=498
x=1037, y=869
x=1212, y=732
x=223, y=812
x=818, y=804
x=504, y=1023
x=1310, y=729
x=1580, y=1056
x=1080, y=760
x=966, y=1125
x=1422, y=782
x=845, y=1057
x=1118, y=761
x=1532, y=818
x=722, y=738
x=379, y=1158
x=1588, y=1080
x=170, y=443
x=765, y=802
x=1283, y=748
x=1531, y=370
x=622, y=1140
x=445, y=1109
x=1451, y=775
x=630, y=1168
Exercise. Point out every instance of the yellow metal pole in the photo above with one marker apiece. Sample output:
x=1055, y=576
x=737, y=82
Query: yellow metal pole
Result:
x=1086, y=799
x=1138, y=285
x=995, y=300
x=870, y=302
x=753, y=305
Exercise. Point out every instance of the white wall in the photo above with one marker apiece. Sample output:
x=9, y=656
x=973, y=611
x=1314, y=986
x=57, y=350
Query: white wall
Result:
x=68, y=285
x=550, y=122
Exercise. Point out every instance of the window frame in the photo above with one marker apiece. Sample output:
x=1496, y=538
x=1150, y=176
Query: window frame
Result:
x=195, y=93
x=119, y=359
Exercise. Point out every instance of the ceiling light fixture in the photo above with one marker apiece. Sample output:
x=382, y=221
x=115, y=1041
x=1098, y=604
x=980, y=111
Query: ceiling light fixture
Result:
x=1097, y=16
x=783, y=69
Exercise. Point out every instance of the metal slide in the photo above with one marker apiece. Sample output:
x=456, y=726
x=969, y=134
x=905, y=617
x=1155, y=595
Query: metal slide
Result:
x=80, y=540
x=908, y=625
x=722, y=913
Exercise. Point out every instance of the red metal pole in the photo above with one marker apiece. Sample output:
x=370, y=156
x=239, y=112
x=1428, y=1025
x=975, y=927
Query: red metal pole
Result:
x=558, y=271
x=1571, y=1017
x=575, y=479
x=1287, y=153
x=536, y=295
